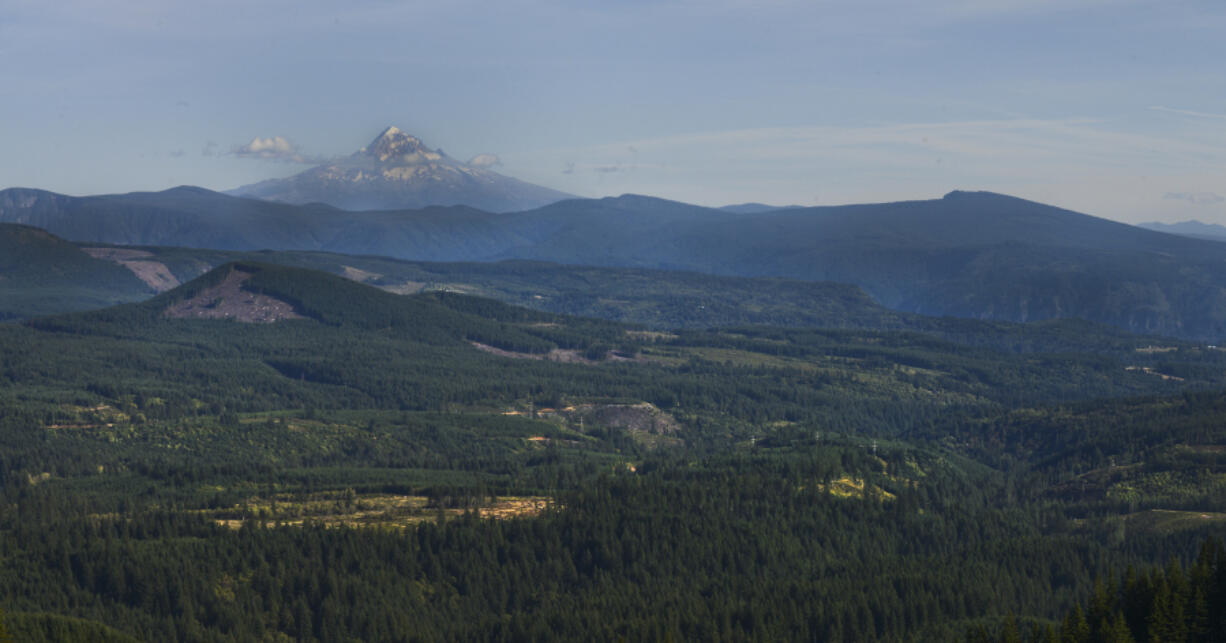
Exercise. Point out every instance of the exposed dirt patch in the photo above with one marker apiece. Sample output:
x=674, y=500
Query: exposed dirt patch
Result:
x=564, y=355
x=379, y=511
x=1206, y=448
x=650, y=335
x=568, y=356
x=1149, y=371
x=155, y=274
x=406, y=288
x=523, y=507
x=359, y=275
x=1166, y=521
x=228, y=300
x=645, y=422
x=642, y=417
x=556, y=355
x=503, y=353
x=117, y=254
x=1157, y=349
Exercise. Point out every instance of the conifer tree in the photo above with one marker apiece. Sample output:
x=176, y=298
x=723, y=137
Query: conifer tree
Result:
x=1115, y=630
x=1075, y=628
x=1010, y=633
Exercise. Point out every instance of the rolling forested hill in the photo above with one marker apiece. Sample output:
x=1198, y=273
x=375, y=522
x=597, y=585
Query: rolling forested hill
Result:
x=42, y=274
x=975, y=255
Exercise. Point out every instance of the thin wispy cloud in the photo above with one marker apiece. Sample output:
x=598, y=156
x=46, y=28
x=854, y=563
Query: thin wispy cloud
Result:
x=1187, y=112
x=1087, y=164
x=1195, y=198
x=1080, y=141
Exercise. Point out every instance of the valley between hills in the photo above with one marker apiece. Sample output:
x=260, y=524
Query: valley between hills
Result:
x=971, y=418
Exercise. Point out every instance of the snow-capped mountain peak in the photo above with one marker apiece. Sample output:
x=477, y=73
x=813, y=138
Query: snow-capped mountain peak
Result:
x=395, y=147
x=397, y=170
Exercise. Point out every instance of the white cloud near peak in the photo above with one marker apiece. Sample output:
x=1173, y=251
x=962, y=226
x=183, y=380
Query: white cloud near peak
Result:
x=272, y=148
x=484, y=161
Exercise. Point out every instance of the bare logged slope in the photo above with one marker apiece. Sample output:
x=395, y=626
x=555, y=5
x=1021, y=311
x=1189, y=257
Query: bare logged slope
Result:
x=154, y=273
x=228, y=300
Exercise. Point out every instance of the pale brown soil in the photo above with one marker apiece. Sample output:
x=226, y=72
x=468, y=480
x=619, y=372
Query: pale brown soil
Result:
x=1207, y=448
x=1157, y=349
x=645, y=422
x=359, y=275
x=650, y=334
x=393, y=511
x=406, y=288
x=641, y=417
x=556, y=355
x=155, y=274
x=564, y=355
x=228, y=300
x=514, y=508
x=117, y=254
x=1149, y=371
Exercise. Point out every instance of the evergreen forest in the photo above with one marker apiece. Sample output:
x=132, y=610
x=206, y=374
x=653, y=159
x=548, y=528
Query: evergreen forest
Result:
x=445, y=467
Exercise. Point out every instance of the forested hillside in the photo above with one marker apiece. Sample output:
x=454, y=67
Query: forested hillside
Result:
x=42, y=274
x=445, y=467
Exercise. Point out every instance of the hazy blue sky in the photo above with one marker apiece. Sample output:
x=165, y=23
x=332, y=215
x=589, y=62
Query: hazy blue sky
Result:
x=1113, y=108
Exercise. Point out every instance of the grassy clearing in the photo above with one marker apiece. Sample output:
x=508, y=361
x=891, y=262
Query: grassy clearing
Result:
x=650, y=335
x=344, y=508
x=1166, y=521
x=1134, y=483
x=747, y=358
x=849, y=487
x=72, y=416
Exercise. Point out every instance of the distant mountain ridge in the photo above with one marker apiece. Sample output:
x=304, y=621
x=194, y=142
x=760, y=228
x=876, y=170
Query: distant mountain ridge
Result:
x=195, y=217
x=969, y=254
x=1196, y=229
x=755, y=208
x=397, y=171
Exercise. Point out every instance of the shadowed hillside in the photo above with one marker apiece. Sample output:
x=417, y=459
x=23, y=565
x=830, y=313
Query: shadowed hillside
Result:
x=42, y=274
